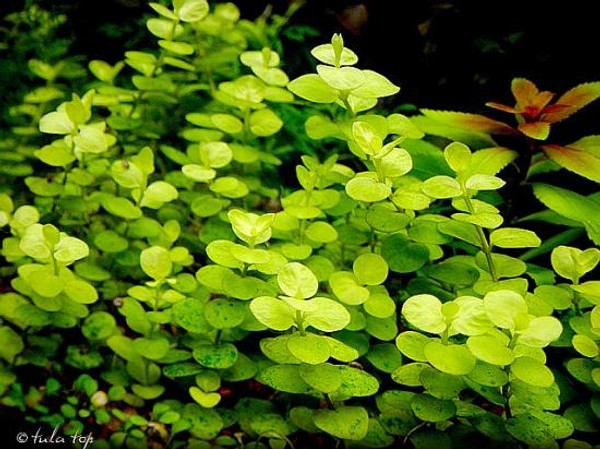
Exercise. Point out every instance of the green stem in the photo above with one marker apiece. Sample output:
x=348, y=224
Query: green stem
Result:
x=300, y=322
x=54, y=265
x=485, y=246
x=377, y=164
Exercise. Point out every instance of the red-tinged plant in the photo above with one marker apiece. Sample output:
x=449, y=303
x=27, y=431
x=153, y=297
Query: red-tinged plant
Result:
x=535, y=112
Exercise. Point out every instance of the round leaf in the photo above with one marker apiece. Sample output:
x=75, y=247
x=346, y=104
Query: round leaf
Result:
x=297, y=280
x=370, y=269
x=488, y=349
x=451, y=359
x=425, y=313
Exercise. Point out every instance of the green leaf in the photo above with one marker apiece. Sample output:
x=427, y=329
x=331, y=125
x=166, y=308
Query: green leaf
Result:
x=385, y=357
x=367, y=189
x=227, y=123
x=385, y=220
x=532, y=372
x=402, y=255
x=189, y=315
x=179, y=48
x=346, y=288
x=471, y=318
x=370, y=269
x=585, y=345
x=380, y=305
x=490, y=350
x=121, y=207
x=367, y=137
x=218, y=356
x=190, y=10
x=395, y=163
x=442, y=187
x=156, y=262
x=458, y=156
x=98, y=326
x=346, y=422
x=198, y=173
x=322, y=232
x=401, y=125
x=505, y=308
x=56, y=123
x=264, y=122
x=325, y=53
x=412, y=345
x=11, y=344
x=222, y=313
x=81, y=291
x=229, y=187
x=151, y=348
x=484, y=182
x=312, y=88
x=573, y=263
x=273, y=313
x=409, y=374
x=296, y=280
x=451, y=359
x=325, y=377
x=327, y=315
x=309, y=348
x=158, y=193
x=514, y=238
x=531, y=430
x=70, y=249
x=284, y=378
x=425, y=313
x=110, y=242
x=56, y=154
x=441, y=385
x=540, y=332
x=430, y=409
x=375, y=86
x=571, y=205
x=341, y=78
x=490, y=161
x=356, y=383
x=206, y=400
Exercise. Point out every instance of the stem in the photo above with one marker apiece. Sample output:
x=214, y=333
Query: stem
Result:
x=485, y=246
x=329, y=401
x=302, y=230
x=410, y=432
x=347, y=105
x=300, y=322
x=377, y=164
x=373, y=241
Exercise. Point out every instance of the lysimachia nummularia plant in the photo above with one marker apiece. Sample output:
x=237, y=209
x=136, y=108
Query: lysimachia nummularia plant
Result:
x=166, y=283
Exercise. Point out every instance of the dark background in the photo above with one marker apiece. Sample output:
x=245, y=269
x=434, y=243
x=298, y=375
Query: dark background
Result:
x=449, y=54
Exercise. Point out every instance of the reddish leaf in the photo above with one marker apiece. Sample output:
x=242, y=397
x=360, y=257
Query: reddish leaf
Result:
x=473, y=122
x=502, y=107
x=535, y=130
x=575, y=99
x=555, y=108
x=524, y=92
x=580, y=162
x=542, y=99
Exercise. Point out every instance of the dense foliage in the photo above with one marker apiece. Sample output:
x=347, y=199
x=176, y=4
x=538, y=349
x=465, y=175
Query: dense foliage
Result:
x=167, y=283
